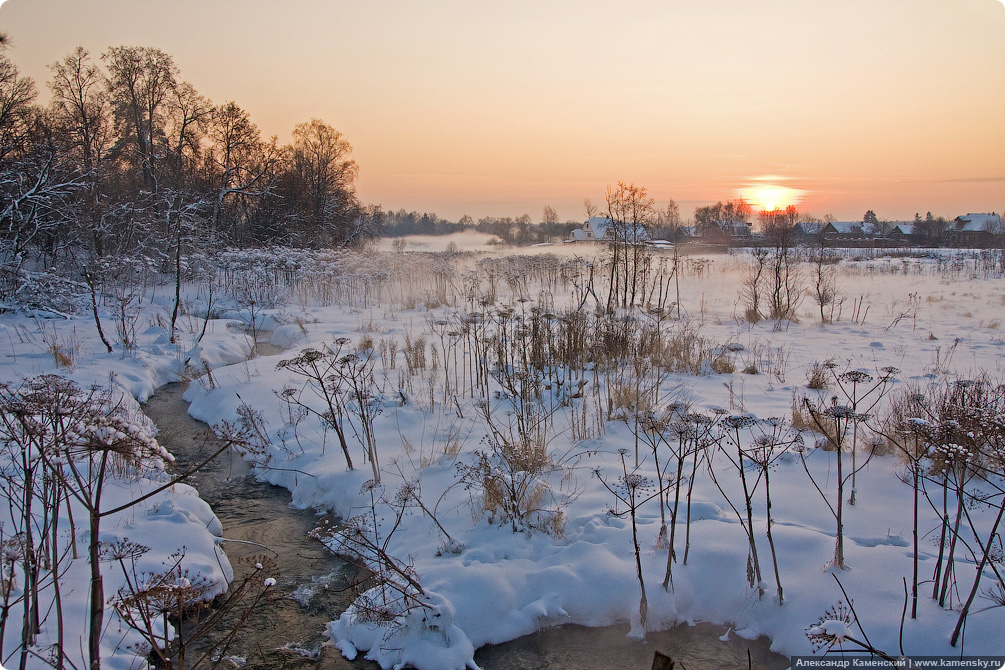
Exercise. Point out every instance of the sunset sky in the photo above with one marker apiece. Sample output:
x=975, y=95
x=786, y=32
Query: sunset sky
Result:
x=491, y=108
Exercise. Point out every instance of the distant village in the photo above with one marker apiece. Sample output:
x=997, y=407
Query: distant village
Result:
x=972, y=230
x=720, y=227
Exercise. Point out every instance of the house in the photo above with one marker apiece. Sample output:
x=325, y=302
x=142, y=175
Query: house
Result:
x=806, y=230
x=977, y=230
x=850, y=229
x=905, y=233
x=603, y=229
x=734, y=229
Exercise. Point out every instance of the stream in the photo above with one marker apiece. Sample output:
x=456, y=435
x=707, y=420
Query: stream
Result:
x=287, y=629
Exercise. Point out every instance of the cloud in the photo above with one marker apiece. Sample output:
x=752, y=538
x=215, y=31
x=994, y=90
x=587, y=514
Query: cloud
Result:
x=770, y=178
x=971, y=180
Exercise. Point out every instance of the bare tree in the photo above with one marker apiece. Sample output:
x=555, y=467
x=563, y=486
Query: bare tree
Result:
x=631, y=211
x=779, y=227
x=81, y=109
x=189, y=112
x=364, y=227
x=825, y=283
x=188, y=116
x=140, y=82
x=17, y=99
x=242, y=166
x=550, y=217
x=714, y=221
x=668, y=221
x=323, y=178
x=35, y=180
x=81, y=103
x=34, y=192
x=751, y=286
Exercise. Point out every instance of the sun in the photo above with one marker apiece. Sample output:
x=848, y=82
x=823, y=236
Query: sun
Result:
x=769, y=197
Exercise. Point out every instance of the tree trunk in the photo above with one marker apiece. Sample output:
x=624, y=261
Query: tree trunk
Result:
x=94, y=310
x=177, y=280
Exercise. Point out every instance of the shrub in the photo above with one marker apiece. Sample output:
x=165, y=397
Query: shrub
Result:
x=818, y=377
x=724, y=365
x=513, y=479
x=415, y=353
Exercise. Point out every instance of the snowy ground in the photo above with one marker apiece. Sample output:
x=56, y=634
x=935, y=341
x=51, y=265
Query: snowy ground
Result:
x=481, y=581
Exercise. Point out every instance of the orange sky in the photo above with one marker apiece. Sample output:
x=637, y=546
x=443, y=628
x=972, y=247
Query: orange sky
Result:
x=461, y=106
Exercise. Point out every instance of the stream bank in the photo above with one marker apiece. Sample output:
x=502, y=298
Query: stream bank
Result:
x=287, y=630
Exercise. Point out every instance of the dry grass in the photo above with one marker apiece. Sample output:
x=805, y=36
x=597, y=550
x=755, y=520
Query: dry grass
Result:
x=449, y=446
x=62, y=355
x=63, y=349
x=818, y=377
x=803, y=420
x=723, y=365
x=415, y=353
x=388, y=353
x=625, y=396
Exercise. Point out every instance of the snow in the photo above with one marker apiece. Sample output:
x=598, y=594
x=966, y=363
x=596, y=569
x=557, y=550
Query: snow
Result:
x=981, y=222
x=488, y=584
x=175, y=520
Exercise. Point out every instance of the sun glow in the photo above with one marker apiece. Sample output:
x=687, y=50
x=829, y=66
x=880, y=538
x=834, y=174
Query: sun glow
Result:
x=769, y=197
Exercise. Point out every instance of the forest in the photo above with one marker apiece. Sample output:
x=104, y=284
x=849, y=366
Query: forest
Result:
x=128, y=159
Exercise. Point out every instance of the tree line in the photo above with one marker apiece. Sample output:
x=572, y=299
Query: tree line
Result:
x=128, y=158
x=521, y=230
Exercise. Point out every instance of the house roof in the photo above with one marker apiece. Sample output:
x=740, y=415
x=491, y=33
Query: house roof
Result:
x=601, y=225
x=809, y=227
x=905, y=229
x=851, y=228
x=980, y=222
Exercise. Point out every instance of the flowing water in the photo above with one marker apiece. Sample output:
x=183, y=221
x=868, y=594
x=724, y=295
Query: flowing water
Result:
x=578, y=648
x=287, y=630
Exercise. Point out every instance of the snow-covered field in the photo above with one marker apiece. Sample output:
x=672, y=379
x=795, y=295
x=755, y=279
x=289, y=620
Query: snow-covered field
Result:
x=511, y=452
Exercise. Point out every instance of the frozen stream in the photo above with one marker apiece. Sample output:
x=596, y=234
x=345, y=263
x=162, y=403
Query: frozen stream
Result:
x=287, y=632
